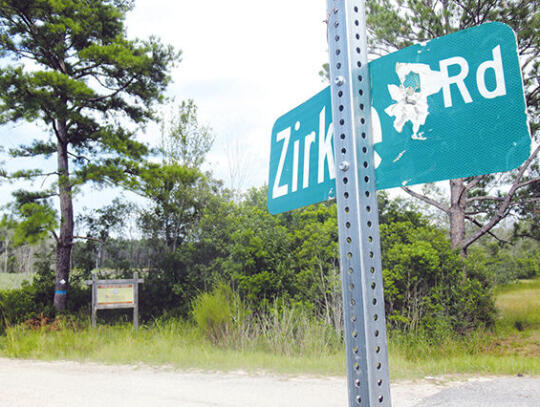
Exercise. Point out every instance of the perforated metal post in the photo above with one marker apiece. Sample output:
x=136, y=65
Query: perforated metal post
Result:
x=359, y=242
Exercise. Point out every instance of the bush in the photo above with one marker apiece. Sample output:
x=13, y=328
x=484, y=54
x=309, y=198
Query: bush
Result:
x=35, y=300
x=428, y=286
x=213, y=313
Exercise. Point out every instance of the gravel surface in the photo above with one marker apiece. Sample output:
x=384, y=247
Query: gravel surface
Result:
x=499, y=392
x=26, y=383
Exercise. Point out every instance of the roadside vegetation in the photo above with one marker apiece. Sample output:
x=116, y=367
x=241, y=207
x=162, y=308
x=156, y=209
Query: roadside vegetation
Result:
x=222, y=336
x=227, y=285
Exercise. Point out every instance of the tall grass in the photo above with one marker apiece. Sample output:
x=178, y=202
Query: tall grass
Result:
x=519, y=305
x=222, y=318
x=285, y=340
x=9, y=281
x=172, y=343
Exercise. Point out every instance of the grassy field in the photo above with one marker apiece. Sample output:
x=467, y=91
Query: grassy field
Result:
x=13, y=280
x=514, y=347
x=519, y=306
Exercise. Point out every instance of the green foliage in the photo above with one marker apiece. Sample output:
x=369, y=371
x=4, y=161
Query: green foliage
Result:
x=35, y=300
x=10, y=281
x=70, y=66
x=177, y=194
x=170, y=226
x=294, y=257
x=213, y=312
x=505, y=264
x=37, y=222
x=31, y=300
x=184, y=140
x=260, y=255
x=426, y=284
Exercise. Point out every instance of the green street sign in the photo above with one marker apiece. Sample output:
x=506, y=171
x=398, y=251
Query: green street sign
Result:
x=450, y=108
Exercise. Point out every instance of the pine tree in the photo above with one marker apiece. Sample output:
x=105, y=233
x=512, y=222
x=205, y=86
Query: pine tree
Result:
x=72, y=68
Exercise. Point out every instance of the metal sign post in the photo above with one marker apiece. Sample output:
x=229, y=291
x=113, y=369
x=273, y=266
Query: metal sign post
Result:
x=359, y=242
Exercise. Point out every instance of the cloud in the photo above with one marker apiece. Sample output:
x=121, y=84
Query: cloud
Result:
x=245, y=63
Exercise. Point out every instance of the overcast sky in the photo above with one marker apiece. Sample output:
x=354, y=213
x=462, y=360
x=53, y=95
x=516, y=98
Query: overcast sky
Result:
x=244, y=63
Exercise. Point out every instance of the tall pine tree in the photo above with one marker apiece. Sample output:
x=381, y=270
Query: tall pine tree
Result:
x=69, y=65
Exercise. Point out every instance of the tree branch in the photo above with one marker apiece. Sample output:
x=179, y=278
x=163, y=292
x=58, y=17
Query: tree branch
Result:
x=78, y=157
x=55, y=236
x=88, y=238
x=531, y=181
x=471, y=219
x=475, y=181
x=427, y=200
x=502, y=212
x=20, y=174
x=116, y=92
x=485, y=198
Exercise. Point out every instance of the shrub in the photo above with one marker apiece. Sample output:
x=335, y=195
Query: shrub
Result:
x=35, y=300
x=428, y=286
x=213, y=312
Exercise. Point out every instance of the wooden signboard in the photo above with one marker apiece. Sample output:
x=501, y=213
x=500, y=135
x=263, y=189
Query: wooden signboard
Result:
x=113, y=294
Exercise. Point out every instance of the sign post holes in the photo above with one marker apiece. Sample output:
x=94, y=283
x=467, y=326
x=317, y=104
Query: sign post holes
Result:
x=112, y=294
x=469, y=118
x=358, y=220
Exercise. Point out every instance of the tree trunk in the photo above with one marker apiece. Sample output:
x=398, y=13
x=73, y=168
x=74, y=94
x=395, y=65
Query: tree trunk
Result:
x=6, y=252
x=457, y=214
x=65, y=239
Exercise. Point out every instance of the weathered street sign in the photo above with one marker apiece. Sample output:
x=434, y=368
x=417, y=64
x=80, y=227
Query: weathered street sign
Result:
x=302, y=169
x=450, y=108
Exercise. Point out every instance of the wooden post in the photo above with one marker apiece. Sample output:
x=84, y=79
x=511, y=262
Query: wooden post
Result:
x=135, y=300
x=94, y=301
x=120, y=302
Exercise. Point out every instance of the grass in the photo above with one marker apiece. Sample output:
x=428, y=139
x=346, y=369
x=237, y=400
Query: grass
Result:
x=519, y=306
x=172, y=343
x=13, y=280
x=514, y=347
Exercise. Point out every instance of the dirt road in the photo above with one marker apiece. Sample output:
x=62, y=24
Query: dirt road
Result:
x=62, y=384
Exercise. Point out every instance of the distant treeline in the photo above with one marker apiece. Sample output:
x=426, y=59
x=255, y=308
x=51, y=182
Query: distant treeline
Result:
x=289, y=260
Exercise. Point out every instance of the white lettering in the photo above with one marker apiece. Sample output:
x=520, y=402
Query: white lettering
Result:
x=308, y=140
x=325, y=148
x=296, y=149
x=280, y=190
x=376, y=132
x=496, y=65
x=457, y=79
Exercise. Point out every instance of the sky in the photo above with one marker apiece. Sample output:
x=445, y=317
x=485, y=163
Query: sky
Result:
x=244, y=63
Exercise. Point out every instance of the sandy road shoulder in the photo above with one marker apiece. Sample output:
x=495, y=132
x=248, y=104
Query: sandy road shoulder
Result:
x=26, y=383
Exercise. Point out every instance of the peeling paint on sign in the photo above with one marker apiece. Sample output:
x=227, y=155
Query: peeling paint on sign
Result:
x=440, y=110
x=412, y=98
